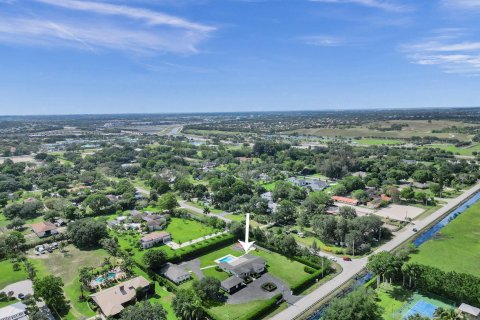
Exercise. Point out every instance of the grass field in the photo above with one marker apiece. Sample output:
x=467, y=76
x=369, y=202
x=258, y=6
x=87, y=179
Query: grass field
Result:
x=66, y=267
x=467, y=151
x=290, y=271
x=236, y=311
x=183, y=230
x=8, y=275
x=415, y=128
x=375, y=142
x=456, y=247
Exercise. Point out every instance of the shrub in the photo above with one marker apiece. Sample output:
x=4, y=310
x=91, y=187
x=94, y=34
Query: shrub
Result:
x=269, y=286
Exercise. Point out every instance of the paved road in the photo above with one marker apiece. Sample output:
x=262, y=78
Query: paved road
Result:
x=351, y=268
x=221, y=215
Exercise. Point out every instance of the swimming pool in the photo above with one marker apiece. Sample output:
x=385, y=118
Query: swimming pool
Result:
x=226, y=259
x=101, y=279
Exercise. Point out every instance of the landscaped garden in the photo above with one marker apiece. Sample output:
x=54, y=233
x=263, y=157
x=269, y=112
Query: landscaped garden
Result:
x=456, y=247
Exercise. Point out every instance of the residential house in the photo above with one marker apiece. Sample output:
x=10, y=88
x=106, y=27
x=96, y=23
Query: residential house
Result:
x=44, y=229
x=244, y=266
x=314, y=183
x=232, y=284
x=174, y=273
x=345, y=200
x=113, y=300
x=469, y=311
x=16, y=311
x=154, y=238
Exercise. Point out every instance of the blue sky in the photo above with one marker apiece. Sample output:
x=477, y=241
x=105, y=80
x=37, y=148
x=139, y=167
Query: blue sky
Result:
x=94, y=56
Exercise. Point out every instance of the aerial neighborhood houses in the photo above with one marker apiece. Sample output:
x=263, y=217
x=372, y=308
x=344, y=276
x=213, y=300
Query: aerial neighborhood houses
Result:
x=314, y=184
x=138, y=219
x=272, y=206
x=44, y=229
x=174, y=273
x=16, y=311
x=113, y=300
x=241, y=268
x=155, y=238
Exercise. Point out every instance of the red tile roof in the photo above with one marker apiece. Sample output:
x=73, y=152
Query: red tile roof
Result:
x=345, y=200
x=43, y=226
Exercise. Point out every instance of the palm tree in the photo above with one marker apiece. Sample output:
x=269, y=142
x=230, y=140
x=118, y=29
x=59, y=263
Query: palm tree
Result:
x=448, y=314
x=86, y=276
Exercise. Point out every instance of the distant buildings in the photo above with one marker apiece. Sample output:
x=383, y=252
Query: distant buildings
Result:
x=314, y=183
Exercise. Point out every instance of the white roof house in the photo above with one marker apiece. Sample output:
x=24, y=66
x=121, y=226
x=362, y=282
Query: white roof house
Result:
x=16, y=311
x=472, y=311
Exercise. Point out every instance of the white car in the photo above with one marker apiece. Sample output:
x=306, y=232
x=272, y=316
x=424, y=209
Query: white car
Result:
x=333, y=259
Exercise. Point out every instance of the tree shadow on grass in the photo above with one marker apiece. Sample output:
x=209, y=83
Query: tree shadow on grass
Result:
x=400, y=294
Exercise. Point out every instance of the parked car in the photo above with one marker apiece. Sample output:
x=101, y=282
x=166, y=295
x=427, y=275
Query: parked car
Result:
x=21, y=296
x=415, y=230
x=333, y=259
x=347, y=259
x=301, y=235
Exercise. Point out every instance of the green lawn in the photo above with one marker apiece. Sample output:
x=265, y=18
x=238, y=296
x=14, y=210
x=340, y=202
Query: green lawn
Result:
x=8, y=275
x=201, y=207
x=456, y=247
x=66, y=266
x=467, y=151
x=183, y=230
x=307, y=241
x=279, y=266
x=379, y=141
x=290, y=271
x=235, y=311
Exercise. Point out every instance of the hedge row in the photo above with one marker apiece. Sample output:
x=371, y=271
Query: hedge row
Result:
x=201, y=248
x=308, y=282
x=258, y=313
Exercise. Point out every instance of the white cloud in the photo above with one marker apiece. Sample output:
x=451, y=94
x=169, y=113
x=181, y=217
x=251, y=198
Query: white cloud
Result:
x=322, y=41
x=450, y=52
x=149, y=16
x=103, y=26
x=377, y=4
x=462, y=4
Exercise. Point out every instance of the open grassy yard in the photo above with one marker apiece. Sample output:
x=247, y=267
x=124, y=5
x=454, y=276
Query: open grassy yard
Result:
x=456, y=247
x=290, y=271
x=235, y=311
x=66, y=266
x=183, y=230
x=8, y=275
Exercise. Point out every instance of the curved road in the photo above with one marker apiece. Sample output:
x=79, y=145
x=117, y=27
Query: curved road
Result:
x=351, y=268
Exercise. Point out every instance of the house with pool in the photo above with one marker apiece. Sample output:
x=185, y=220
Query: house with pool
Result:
x=113, y=300
x=243, y=266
